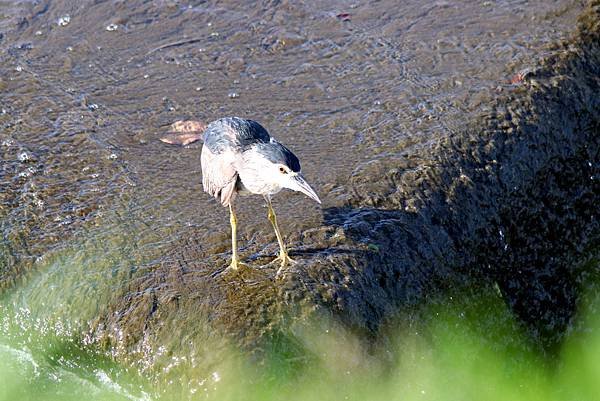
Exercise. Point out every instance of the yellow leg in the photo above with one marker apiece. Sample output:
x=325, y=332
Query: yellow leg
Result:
x=234, y=254
x=283, y=255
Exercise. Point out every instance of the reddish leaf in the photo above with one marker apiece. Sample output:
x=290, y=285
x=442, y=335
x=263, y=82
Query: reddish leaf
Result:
x=184, y=132
x=187, y=126
x=181, y=139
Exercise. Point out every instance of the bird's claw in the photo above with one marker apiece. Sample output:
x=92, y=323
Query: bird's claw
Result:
x=235, y=265
x=284, y=261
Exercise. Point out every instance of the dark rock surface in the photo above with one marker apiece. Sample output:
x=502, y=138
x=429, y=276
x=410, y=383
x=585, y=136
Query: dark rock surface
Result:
x=453, y=183
x=511, y=200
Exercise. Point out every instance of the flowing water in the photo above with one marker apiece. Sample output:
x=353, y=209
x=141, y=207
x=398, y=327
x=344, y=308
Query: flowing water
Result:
x=92, y=200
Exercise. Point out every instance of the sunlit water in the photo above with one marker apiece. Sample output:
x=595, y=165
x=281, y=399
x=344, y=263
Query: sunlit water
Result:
x=24, y=377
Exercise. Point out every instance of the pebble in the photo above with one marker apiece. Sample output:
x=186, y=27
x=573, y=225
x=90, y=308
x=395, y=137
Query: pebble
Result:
x=28, y=172
x=64, y=21
x=23, y=157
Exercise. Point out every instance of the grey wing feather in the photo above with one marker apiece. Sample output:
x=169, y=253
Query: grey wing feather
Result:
x=224, y=141
x=219, y=176
x=234, y=133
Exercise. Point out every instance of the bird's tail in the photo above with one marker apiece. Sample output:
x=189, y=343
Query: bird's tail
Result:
x=184, y=132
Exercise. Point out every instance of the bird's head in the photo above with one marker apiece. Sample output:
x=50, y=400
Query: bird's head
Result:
x=274, y=166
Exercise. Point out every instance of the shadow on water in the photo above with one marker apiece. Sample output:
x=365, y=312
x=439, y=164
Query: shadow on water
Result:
x=530, y=244
x=510, y=203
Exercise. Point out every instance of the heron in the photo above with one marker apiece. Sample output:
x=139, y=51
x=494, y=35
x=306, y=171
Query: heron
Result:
x=239, y=157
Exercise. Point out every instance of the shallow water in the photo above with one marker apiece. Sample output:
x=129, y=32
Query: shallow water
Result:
x=22, y=373
x=92, y=201
x=92, y=102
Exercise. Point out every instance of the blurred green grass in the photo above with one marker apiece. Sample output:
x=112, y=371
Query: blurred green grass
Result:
x=469, y=348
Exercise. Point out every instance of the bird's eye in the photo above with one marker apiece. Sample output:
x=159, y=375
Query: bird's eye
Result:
x=282, y=170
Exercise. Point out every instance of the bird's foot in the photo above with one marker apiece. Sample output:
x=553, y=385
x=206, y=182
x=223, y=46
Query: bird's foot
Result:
x=284, y=261
x=236, y=265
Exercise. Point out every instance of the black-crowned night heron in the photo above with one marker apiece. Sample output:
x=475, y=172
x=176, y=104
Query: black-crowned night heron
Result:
x=240, y=157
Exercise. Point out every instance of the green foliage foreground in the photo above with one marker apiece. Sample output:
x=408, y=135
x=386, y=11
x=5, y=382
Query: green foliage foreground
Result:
x=467, y=350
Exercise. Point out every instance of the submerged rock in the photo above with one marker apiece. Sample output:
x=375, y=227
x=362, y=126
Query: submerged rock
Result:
x=510, y=203
x=507, y=203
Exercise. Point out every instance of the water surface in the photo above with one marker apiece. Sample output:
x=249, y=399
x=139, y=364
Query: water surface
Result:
x=92, y=202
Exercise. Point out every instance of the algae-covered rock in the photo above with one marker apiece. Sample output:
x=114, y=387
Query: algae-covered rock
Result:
x=440, y=174
x=510, y=201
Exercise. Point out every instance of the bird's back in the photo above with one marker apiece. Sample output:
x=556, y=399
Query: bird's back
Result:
x=224, y=142
x=234, y=133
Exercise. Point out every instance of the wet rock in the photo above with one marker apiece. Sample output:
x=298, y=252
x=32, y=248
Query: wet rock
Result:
x=508, y=201
x=64, y=20
x=486, y=205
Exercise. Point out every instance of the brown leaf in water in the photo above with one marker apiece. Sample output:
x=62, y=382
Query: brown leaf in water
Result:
x=181, y=139
x=517, y=78
x=184, y=132
x=344, y=16
x=520, y=76
x=187, y=126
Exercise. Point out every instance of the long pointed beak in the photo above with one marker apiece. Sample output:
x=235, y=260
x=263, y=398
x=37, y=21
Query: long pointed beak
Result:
x=298, y=183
